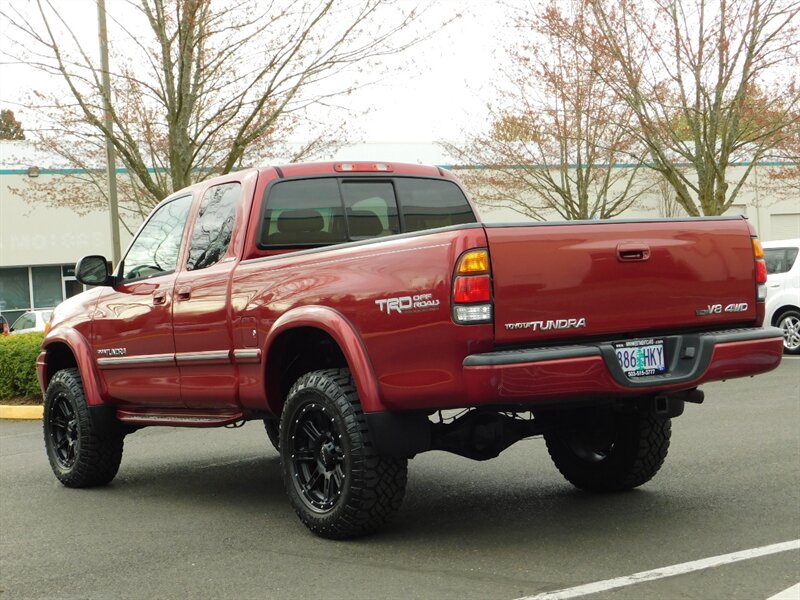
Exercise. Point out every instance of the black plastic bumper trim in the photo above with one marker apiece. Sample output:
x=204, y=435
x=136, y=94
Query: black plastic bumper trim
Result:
x=688, y=355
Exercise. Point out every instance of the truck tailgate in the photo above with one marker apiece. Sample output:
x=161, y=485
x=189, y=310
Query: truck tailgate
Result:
x=562, y=281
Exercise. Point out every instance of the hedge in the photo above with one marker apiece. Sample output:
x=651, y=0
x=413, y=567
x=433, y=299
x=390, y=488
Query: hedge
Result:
x=18, y=365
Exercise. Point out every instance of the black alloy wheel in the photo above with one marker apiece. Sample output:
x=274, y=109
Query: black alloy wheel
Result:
x=81, y=452
x=63, y=432
x=318, y=459
x=337, y=484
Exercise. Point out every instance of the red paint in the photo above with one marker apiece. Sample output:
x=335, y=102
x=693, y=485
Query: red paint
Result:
x=620, y=278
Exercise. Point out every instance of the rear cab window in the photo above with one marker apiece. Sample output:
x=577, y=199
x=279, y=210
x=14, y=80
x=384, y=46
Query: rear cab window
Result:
x=321, y=211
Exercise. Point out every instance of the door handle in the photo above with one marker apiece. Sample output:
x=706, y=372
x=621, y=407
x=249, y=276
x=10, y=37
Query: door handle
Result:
x=631, y=252
x=159, y=297
x=184, y=293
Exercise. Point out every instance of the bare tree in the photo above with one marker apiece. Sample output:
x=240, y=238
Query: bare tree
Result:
x=558, y=141
x=784, y=172
x=664, y=193
x=711, y=85
x=203, y=87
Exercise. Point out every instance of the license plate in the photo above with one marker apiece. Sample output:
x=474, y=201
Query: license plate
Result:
x=640, y=358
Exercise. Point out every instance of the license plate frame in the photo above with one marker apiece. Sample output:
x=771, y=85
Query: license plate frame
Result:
x=641, y=357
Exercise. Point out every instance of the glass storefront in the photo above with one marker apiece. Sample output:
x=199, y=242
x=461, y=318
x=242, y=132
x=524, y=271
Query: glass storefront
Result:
x=26, y=288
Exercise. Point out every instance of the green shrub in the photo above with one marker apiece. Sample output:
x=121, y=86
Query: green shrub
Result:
x=18, y=365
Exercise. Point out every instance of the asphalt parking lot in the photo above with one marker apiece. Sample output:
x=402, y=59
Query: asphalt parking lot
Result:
x=202, y=514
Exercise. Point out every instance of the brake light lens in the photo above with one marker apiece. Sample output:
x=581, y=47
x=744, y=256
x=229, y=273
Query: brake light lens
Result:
x=472, y=288
x=761, y=272
x=360, y=167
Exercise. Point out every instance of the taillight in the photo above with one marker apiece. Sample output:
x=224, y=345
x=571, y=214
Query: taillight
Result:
x=761, y=270
x=472, y=288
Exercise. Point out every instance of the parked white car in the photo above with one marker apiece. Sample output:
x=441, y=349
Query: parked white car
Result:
x=32, y=320
x=783, y=291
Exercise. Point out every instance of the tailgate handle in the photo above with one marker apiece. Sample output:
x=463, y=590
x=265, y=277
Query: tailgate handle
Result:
x=629, y=252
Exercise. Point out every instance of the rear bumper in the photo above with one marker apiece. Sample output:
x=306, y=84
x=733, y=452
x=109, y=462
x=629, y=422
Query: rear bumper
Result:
x=545, y=375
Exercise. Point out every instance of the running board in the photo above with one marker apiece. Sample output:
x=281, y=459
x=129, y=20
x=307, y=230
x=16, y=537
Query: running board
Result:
x=179, y=418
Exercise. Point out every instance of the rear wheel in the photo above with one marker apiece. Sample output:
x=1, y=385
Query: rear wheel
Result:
x=338, y=485
x=789, y=322
x=272, y=427
x=607, y=451
x=79, y=454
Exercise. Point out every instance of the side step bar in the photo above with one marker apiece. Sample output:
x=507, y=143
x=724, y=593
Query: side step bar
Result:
x=179, y=418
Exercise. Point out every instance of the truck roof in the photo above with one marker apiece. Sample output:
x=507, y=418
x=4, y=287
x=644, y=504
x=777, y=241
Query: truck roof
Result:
x=355, y=167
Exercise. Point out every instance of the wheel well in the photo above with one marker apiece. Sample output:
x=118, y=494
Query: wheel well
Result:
x=295, y=352
x=782, y=311
x=59, y=356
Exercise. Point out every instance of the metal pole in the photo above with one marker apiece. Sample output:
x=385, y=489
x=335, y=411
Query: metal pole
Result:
x=111, y=158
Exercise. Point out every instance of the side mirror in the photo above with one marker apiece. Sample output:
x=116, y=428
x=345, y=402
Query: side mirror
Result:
x=93, y=270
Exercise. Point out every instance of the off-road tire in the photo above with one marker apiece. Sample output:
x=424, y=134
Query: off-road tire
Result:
x=273, y=429
x=789, y=322
x=609, y=451
x=79, y=454
x=359, y=490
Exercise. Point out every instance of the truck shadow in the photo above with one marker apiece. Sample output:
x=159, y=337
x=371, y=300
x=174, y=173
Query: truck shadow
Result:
x=452, y=506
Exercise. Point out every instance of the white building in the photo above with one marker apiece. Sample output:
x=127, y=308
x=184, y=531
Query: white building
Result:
x=40, y=242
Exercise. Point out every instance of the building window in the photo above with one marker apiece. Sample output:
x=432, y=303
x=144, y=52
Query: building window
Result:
x=29, y=288
x=47, y=288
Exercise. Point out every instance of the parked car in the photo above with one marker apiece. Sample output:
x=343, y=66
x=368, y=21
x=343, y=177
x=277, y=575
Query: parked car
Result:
x=783, y=291
x=32, y=320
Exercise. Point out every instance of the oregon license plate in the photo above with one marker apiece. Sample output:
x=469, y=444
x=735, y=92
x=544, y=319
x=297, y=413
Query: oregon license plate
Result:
x=640, y=358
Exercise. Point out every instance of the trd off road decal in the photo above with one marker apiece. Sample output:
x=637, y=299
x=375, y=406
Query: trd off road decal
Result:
x=408, y=304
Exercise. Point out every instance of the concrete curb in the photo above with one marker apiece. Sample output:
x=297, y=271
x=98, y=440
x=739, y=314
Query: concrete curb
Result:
x=27, y=412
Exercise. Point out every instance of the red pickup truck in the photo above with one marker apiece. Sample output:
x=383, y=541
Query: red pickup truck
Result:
x=353, y=306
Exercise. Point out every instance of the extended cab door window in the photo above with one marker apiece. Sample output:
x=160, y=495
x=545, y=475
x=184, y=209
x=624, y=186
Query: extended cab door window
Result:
x=214, y=225
x=155, y=250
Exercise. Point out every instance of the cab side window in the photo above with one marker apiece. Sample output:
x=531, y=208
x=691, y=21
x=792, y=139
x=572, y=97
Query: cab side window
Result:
x=371, y=209
x=214, y=225
x=305, y=212
x=155, y=250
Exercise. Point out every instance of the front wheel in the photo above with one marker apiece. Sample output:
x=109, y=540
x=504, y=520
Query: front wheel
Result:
x=339, y=487
x=789, y=322
x=606, y=451
x=79, y=454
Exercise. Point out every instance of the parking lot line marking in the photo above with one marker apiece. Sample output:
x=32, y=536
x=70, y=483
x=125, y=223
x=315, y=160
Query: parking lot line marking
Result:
x=671, y=571
x=793, y=593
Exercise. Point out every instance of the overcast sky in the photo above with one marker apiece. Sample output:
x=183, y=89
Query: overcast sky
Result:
x=438, y=97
